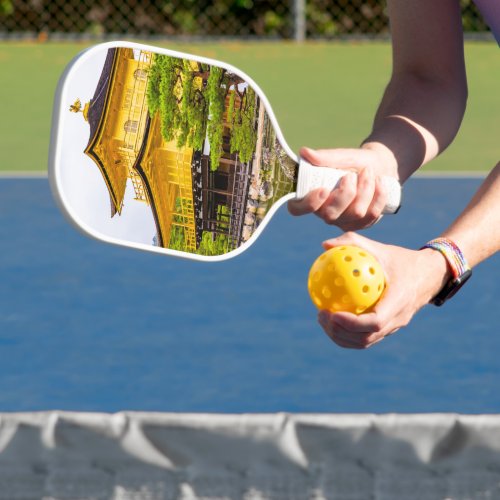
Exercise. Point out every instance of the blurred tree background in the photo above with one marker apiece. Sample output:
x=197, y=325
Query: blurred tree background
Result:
x=189, y=18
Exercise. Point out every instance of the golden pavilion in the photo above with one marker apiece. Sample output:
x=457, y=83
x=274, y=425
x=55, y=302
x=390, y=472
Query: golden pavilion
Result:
x=178, y=184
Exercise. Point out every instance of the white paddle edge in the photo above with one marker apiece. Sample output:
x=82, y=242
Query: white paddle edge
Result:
x=54, y=163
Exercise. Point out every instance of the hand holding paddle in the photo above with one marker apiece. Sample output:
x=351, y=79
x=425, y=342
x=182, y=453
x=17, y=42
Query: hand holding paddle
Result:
x=360, y=198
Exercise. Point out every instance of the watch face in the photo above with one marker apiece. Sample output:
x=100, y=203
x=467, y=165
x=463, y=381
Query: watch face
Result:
x=451, y=288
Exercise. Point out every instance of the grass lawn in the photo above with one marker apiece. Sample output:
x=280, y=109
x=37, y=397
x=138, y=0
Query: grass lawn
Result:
x=324, y=95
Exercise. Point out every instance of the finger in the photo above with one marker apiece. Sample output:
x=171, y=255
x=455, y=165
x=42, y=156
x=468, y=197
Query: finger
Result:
x=336, y=158
x=365, y=193
x=376, y=209
x=348, y=338
x=348, y=238
x=379, y=200
x=357, y=224
x=339, y=199
x=354, y=340
x=362, y=340
x=368, y=206
x=345, y=344
x=342, y=340
x=394, y=309
x=362, y=324
x=365, y=190
x=340, y=335
x=373, y=325
x=310, y=203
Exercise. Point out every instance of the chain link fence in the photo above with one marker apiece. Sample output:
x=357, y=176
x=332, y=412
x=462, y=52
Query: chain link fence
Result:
x=282, y=19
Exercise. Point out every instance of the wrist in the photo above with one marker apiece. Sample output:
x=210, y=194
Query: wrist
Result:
x=437, y=273
x=388, y=165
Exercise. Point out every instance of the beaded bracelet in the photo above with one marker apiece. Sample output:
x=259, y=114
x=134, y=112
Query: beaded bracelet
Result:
x=459, y=267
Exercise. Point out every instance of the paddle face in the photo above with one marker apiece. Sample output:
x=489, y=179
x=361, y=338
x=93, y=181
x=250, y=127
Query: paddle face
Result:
x=167, y=152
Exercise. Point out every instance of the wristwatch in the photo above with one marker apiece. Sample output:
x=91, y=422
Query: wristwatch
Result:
x=460, y=270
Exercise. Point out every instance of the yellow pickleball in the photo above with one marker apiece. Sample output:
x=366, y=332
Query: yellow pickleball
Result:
x=346, y=278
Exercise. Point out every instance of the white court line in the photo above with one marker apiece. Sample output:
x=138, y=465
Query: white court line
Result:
x=23, y=175
x=452, y=174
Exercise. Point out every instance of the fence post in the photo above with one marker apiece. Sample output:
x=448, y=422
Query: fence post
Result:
x=299, y=20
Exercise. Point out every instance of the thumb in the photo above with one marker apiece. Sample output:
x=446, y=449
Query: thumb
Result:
x=349, y=238
x=354, y=159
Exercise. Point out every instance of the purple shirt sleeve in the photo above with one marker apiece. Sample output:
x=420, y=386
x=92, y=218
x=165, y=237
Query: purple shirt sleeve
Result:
x=490, y=9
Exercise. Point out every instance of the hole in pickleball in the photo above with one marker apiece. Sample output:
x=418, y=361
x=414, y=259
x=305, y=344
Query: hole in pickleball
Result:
x=317, y=276
x=346, y=299
x=317, y=301
x=327, y=293
x=366, y=289
x=356, y=273
x=372, y=270
x=362, y=254
x=359, y=310
x=348, y=258
x=339, y=281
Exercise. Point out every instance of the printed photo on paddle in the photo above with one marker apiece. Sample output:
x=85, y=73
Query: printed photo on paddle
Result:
x=183, y=148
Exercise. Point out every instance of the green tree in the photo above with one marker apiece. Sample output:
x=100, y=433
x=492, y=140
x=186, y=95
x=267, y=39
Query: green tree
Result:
x=213, y=246
x=216, y=92
x=182, y=105
x=192, y=110
x=244, y=135
x=153, y=90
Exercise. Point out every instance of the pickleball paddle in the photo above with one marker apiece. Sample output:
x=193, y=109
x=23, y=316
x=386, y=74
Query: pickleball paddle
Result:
x=173, y=153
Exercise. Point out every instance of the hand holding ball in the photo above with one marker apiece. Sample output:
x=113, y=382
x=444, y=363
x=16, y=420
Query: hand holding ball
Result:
x=346, y=278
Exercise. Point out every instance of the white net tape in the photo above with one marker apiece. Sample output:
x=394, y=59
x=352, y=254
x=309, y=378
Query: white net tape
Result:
x=155, y=456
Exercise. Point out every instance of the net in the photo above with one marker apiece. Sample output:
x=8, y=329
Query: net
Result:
x=153, y=456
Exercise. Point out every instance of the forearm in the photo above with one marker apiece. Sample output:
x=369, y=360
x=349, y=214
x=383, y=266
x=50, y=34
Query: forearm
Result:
x=416, y=121
x=477, y=230
x=424, y=103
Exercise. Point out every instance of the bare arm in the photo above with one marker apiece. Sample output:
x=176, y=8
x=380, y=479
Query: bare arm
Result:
x=424, y=102
x=477, y=230
x=418, y=117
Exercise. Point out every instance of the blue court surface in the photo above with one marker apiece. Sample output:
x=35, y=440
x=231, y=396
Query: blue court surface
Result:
x=92, y=327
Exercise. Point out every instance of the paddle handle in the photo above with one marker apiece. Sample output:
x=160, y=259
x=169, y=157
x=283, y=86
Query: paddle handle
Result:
x=312, y=177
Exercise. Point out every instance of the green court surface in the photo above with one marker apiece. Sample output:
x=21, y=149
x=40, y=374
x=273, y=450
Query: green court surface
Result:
x=324, y=95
